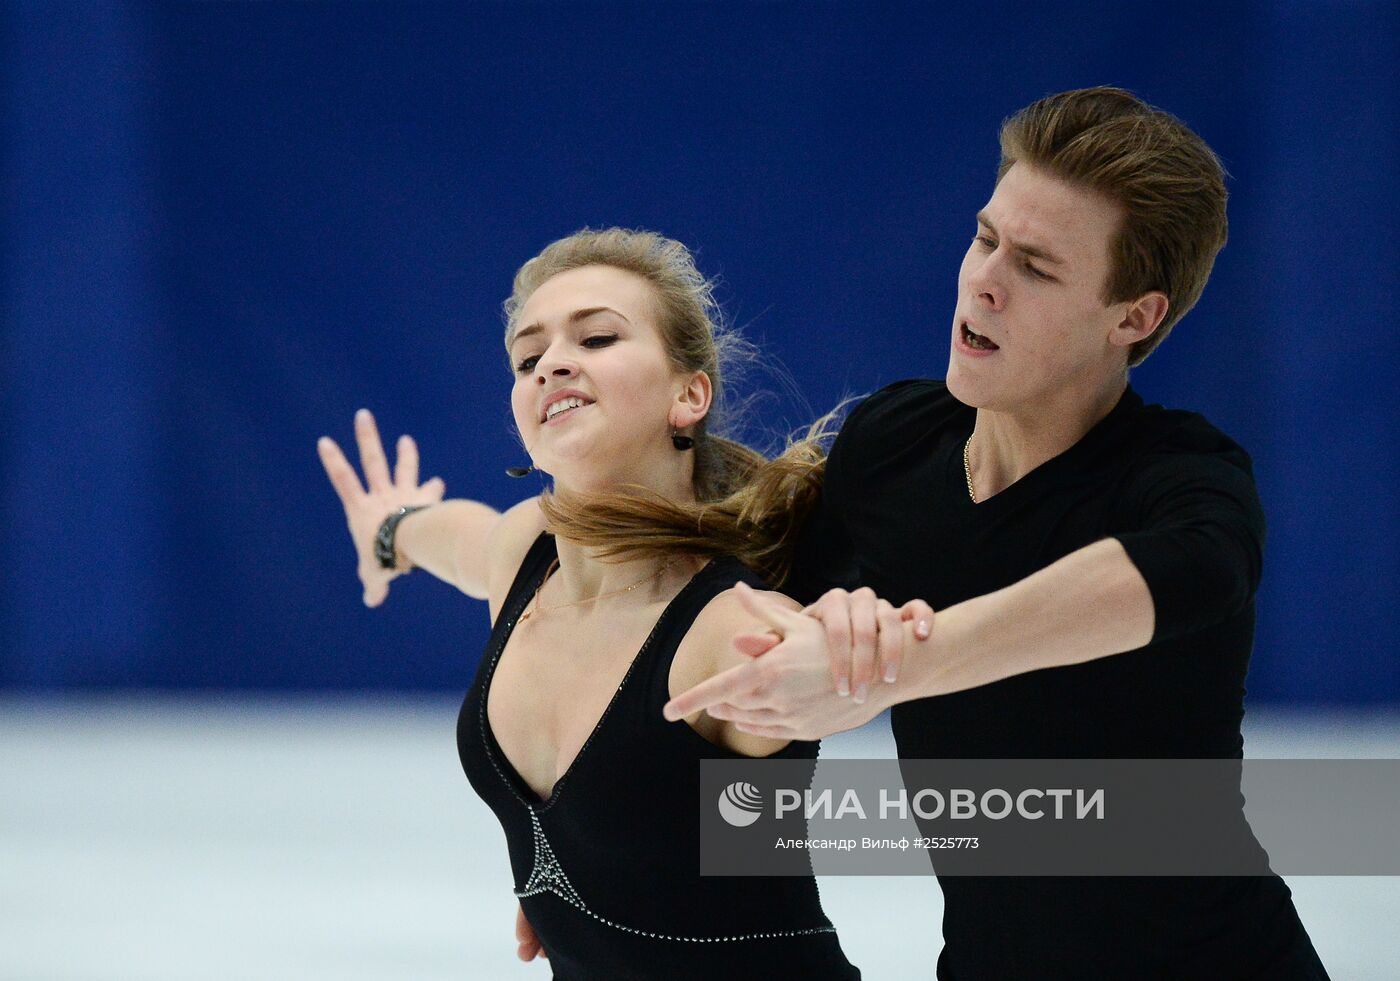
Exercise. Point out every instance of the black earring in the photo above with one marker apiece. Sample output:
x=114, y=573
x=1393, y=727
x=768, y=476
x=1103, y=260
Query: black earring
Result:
x=518, y=471
x=681, y=442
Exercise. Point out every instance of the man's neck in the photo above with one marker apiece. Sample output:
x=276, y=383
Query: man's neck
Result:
x=1008, y=444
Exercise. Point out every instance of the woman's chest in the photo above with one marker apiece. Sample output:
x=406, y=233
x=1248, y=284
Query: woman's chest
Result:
x=553, y=686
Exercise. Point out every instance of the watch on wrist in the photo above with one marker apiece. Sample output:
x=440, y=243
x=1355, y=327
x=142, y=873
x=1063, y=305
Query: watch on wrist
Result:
x=384, y=539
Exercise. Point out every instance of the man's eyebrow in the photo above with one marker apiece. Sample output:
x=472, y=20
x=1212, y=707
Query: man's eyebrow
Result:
x=1027, y=249
x=574, y=318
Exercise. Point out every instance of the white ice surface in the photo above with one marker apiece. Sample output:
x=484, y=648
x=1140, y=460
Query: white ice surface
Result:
x=181, y=838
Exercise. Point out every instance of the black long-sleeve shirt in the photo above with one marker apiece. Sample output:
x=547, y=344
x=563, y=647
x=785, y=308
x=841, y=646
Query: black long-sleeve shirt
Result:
x=895, y=515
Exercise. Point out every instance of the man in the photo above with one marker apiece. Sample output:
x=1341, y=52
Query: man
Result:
x=1093, y=560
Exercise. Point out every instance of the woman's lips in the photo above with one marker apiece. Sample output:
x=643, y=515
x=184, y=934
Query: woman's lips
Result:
x=567, y=413
x=563, y=395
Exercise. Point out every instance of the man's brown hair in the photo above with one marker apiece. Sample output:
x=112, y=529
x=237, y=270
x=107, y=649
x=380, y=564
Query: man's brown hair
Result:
x=1170, y=185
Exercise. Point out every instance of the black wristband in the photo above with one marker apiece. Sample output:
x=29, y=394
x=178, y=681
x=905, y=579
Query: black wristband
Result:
x=384, y=538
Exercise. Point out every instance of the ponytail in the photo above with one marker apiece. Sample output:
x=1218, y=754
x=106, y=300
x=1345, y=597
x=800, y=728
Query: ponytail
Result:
x=747, y=506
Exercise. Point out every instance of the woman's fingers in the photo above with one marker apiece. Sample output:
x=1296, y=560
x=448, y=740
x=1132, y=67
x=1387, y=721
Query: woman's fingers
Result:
x=367, y=507
x=865, y=637
x=891, y=643
x=922, y=615
x=376, y=590
x=342, y=476
x=406, y=466
x=372, y=460
x=834, y=614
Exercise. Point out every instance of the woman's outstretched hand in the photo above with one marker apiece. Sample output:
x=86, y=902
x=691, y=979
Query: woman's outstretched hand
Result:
x=366, y=509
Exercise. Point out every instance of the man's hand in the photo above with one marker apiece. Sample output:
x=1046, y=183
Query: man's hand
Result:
x=529, y=945
x=864, y=635
x=786, y=693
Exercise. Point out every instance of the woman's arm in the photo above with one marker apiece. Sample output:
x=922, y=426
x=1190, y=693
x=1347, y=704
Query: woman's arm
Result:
x=463, y=543
x=708, y=650
x=452, y=541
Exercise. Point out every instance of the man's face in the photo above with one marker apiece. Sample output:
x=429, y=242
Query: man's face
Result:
x=1032, y=285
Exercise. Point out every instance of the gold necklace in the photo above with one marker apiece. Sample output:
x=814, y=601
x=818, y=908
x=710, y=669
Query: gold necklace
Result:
x=587, y=599
x=967, y=470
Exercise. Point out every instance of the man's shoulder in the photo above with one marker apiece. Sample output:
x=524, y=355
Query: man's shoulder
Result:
x=923, y=395
x=890, y=422
x=1180, y=434
x=1180, y=451
x=894, y=416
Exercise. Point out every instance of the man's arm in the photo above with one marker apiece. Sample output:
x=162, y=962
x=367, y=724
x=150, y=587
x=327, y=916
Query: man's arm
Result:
x=1194, y=560
x=1093, y=603
x=1090, y=604
x=1196, y=545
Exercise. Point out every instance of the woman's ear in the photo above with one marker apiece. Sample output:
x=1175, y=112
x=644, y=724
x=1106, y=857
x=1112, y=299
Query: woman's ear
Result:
x=692, y=401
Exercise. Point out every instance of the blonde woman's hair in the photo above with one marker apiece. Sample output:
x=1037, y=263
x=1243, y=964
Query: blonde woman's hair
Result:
x=746, y=505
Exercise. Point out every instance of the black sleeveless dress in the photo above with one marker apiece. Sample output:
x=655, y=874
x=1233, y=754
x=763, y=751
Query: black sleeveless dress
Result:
x=607, y=869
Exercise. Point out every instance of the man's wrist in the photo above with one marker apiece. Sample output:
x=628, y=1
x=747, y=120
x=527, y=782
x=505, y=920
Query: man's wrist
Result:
x=929, y=662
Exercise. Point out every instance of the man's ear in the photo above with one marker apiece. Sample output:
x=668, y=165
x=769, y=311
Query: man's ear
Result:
x=1143, y=316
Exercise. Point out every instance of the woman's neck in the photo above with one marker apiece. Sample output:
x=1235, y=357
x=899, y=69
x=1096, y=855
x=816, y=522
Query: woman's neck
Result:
x=583, y=576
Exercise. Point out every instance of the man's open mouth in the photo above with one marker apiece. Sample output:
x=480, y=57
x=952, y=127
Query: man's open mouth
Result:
x=975, y=340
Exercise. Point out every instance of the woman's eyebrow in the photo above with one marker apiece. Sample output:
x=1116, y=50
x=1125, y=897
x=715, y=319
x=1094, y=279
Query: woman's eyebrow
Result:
x=574, y=318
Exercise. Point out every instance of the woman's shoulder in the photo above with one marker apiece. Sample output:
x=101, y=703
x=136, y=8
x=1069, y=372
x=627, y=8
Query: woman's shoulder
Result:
x=726, y=609
x=517, y=531
x=722, y=612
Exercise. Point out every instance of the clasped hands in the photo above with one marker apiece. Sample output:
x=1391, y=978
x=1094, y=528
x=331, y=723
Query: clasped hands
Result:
x=830, y=667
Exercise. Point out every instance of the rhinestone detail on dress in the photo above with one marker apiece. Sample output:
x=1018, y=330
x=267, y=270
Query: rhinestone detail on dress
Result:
x=548, y=876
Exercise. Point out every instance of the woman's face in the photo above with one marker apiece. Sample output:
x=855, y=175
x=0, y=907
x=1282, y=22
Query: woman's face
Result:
x=595, y=396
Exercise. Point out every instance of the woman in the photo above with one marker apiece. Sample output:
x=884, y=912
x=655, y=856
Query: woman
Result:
x=608, y=597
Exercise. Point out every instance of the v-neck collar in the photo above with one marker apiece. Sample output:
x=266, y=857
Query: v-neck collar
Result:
x=509, y=618
x=1081, y=449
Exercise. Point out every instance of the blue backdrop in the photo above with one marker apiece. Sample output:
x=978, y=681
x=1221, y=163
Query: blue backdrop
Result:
x=228, y=226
